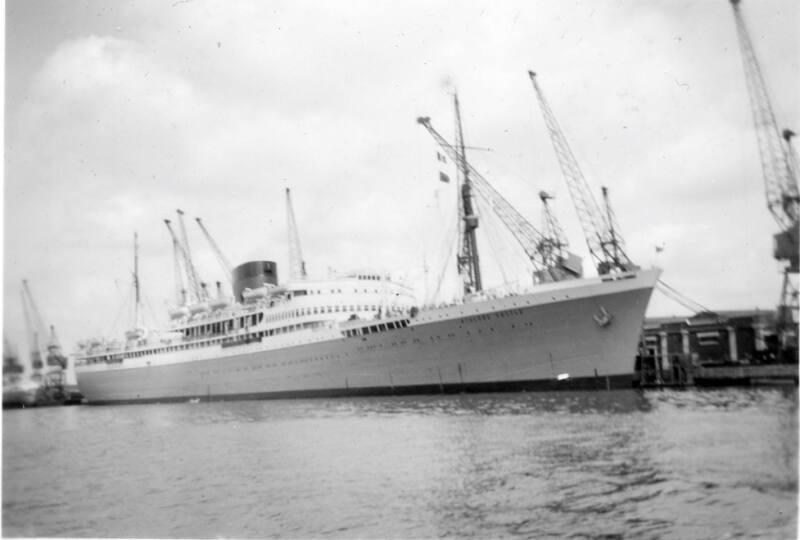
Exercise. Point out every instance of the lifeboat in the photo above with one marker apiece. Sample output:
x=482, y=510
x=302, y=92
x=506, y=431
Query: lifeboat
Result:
x=169, y=337
x=178, y=312
x=136, y=334
x=277, y=290
x=200, y=307
x=93, y=346
x=219, y=303
x=254, y=295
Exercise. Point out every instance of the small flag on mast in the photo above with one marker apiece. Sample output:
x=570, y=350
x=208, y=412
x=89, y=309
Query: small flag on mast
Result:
x=443, y=177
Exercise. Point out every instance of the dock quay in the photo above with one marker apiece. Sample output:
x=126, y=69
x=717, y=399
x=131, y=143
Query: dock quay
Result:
x=746, y=375
x=731, y=348
x=684, y=375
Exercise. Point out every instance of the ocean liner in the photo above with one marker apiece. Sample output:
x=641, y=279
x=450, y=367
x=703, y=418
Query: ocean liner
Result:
x=362, y=333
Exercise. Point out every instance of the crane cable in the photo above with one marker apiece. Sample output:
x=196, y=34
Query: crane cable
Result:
x=448, y=247
x=149, y=306
x=123, y=307
x=494, y=241
x=682, y=299
x=443, y=253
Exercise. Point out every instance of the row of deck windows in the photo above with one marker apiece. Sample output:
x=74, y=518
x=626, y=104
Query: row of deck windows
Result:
x=256, y=336
x=382, y=327
x=303, y=292
x=251, y=320
x=223, y=326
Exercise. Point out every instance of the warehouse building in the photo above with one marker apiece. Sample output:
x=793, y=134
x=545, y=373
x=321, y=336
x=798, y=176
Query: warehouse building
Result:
x=672, y=347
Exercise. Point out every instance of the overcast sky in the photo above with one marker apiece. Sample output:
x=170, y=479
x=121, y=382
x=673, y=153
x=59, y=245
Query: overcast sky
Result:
x=117, y=113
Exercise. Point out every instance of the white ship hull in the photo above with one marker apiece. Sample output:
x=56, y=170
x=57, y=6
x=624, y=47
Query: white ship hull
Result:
x=576, y=334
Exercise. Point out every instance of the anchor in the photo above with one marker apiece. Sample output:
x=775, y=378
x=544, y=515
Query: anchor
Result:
x=603, y=318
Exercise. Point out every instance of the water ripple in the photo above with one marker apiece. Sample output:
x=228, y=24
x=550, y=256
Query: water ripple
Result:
x=663, y=464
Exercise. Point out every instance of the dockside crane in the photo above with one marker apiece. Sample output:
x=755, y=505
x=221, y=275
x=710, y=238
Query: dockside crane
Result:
x=297, y=266
x=605, y=244
x=194, y=285
x=779, y=167
x=202, y=294
x=51, y=356
x=221, y=258
x=791, y=154
x=554, y=243
x=523, y=231
x=35, y=327
x=180, y=285
x=55, y=356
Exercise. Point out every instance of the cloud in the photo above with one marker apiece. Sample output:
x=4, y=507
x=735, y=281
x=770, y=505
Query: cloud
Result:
x=215, y=107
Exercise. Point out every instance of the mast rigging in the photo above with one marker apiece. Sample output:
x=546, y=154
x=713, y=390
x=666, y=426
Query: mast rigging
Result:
x=137, y=298
x=523, y=231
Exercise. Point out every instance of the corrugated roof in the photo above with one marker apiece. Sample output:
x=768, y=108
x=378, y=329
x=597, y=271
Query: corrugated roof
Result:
x=654, y=322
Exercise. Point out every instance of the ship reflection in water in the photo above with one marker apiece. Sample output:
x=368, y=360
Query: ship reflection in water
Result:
x=691, y=464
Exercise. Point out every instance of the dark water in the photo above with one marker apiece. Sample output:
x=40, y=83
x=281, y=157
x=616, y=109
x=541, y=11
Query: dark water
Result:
x=695, y=464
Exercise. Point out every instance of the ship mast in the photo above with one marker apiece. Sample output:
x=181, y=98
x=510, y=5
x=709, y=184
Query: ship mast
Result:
x=137, y=299
x=467, y=259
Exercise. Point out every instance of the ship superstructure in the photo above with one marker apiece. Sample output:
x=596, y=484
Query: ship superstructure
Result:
x=287, y=313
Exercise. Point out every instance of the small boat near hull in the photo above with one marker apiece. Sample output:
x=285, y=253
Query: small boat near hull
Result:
x=18, y=398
